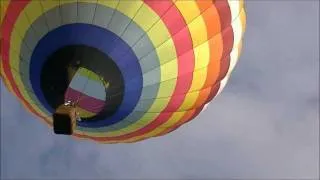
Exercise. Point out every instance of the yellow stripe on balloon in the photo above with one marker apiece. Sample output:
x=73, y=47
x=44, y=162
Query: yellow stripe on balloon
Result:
x=202, y=56
x=129, y=8
x=198, y=31
x=20, y=28
x=47, y=5
x=3, y=8
x=169, y=70
x=189, y=101
x=166, y=51
x=243, y=20
x=80, y=1
x=188, y=9
x=168, y=88
x=199, y=78
x=33, y=11
x=158, y=33
x=146, y=22
x=111, y=3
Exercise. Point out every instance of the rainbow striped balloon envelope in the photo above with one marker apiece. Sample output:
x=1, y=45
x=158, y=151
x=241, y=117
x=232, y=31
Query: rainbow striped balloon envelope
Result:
x=136, y=68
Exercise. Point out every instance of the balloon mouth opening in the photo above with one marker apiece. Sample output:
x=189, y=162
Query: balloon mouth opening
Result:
x=86, y=75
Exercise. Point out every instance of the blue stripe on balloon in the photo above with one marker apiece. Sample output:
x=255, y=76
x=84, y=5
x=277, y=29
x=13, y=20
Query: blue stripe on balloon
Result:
x=89, y=35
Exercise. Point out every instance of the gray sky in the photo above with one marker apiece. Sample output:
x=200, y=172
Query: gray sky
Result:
x=265, y=124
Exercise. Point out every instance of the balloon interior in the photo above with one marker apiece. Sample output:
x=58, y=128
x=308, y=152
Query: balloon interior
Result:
x=118, y=71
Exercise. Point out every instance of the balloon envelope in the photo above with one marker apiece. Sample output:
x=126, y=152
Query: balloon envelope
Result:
x=146, y=67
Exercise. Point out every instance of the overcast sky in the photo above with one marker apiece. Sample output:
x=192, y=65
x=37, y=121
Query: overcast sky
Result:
x=265, y=124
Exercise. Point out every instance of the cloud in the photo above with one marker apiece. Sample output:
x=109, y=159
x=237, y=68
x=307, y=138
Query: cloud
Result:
x=264, y=124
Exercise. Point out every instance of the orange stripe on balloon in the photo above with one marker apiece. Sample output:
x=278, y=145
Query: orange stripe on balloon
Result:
x=227, y=37
x=204, y=5
x=215, y=42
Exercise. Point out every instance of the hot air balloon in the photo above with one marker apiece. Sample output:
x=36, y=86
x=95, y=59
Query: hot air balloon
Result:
x=129, y=69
